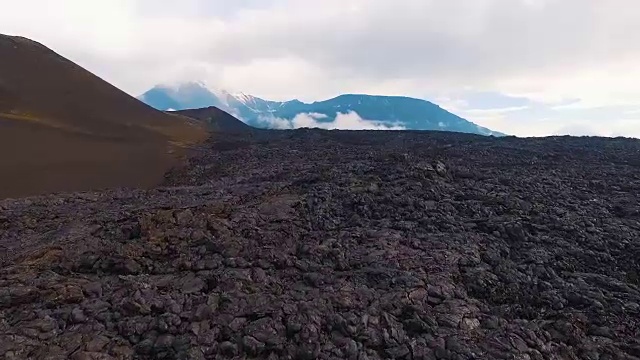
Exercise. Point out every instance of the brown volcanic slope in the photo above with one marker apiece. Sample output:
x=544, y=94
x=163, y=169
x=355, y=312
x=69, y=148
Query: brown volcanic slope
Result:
x=64, y=129
x=217, y=120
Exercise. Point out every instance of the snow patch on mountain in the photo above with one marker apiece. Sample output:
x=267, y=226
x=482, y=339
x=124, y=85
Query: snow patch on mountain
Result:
x=244, y=98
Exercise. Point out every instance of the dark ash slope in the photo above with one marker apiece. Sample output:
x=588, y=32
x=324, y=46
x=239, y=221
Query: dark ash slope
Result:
x=360, y=245
x=218, y=120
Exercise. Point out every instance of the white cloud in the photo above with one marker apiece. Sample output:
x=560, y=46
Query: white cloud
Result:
x=318, y=115
x=578, y=130
x=610, y=83
x=573, y=106
x=343, y=121
x=621, y=127
x=452, y=104
x=275, y=122
x=500, y=119
x=353, y=121
x=534, y=127
x=495, y=111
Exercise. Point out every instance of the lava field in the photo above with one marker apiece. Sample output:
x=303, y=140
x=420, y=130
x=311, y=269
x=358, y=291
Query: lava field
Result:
x=312, y=244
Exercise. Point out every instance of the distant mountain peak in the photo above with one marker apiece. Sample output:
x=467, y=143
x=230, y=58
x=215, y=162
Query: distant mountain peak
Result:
x=391, y=111
x=181, y=95
x=193, y=85
x=177, y=85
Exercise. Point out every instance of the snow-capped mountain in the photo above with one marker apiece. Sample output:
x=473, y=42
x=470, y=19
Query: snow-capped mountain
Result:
x=370, y=111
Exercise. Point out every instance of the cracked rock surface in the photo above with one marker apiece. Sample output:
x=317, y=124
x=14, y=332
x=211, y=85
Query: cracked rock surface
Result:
x=311, y=244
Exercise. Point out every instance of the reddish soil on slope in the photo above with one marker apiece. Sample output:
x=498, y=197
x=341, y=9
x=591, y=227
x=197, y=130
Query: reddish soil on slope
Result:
x=64, y=129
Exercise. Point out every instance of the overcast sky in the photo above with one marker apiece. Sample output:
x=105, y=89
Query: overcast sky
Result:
x=524, y=67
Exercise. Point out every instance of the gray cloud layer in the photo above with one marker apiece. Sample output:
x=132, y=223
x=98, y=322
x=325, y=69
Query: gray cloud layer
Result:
x=545, y=50
x=459, y=39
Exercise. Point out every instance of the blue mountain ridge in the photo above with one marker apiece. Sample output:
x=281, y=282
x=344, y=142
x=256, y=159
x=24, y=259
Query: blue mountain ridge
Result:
x=383, y=111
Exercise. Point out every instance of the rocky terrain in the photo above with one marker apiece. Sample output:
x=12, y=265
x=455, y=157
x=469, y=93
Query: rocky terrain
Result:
x=311, y=244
